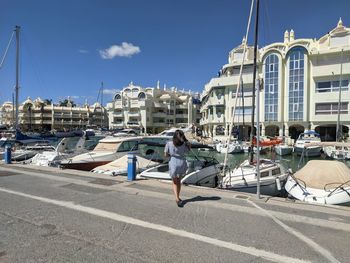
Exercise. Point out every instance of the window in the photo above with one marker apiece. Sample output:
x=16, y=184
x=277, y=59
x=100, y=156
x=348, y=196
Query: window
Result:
x=142, y=96
x=276, y=171
x=331, y=86
x=117, y=97
x=128, y=146
x=264, y=174
x=331, y=108
x=296, y=86
x=295, y=107
x=271, y=87
x=296, y=83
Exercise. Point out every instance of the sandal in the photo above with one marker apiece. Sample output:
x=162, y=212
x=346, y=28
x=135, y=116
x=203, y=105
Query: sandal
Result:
x=179, y=203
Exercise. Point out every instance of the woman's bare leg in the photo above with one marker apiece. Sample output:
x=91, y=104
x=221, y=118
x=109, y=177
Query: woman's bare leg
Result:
x=175, y=189
x=178, y=188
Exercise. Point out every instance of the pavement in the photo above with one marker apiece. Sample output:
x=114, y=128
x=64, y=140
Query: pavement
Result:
x=53, y=215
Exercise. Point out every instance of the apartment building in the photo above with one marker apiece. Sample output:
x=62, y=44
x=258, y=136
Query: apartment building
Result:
x=36, y=115
x=153, y=109
x=299, y=87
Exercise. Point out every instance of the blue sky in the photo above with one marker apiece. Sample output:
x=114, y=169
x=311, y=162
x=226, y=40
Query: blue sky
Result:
x=69, y=46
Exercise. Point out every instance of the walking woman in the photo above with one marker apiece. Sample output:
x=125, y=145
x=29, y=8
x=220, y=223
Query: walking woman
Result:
x=176, y=150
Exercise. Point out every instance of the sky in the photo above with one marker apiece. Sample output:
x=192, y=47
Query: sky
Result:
x=68, y=47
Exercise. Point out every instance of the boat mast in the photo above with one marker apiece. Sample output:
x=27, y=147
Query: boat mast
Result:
x=338, y=132
x=244, y=43
x=254, y=78
x=102, y=115
x=17, y=29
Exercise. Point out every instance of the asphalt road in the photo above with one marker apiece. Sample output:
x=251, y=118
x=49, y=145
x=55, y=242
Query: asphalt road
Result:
x=48, y=216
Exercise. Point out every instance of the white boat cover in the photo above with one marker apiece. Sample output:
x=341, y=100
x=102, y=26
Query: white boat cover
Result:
x=122, y=163
x=320, y=173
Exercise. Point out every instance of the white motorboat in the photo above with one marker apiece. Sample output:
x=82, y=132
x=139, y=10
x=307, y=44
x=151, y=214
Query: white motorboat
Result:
x=283, y=149
x=308, y=137
x=202, y=171
x=338, y=151
x=107, y=150
x=321, y=182
x=63, y=150
x=232, y=147
x=244, y=177
x=120, y=166
x=125, y=133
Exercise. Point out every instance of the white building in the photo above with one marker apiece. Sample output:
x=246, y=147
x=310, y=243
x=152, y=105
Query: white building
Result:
x=152, y=109
x=300, y=87
x=38, y=116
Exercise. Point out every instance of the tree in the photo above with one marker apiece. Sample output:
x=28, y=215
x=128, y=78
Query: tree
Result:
x=48, y=101
x=66, y=102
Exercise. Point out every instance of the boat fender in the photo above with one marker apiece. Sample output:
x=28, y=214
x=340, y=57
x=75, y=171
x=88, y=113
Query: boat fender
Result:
x=278, y=184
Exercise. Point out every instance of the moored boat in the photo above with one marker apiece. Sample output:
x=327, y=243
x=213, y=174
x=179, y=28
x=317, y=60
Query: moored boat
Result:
x=107, y=150
x=321, y=182
x=244, y=177
x=301, y=148
x=120, y=166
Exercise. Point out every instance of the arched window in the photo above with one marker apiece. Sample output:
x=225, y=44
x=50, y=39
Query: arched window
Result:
x=271, y=87
x=296, y=84
x=142, y=96
x=117, y=97
x=127, y=91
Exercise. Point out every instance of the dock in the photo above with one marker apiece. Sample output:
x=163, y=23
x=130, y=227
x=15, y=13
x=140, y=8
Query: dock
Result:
x=53, y=215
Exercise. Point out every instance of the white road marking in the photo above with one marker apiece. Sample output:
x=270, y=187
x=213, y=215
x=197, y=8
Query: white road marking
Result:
x=324, y=252
x=176, y=232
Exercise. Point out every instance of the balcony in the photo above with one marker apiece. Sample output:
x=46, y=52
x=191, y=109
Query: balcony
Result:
x=159, y=114
x=159, y=124
x=134, y=114
x=118, y=105
x=118, y=113
x=181, y=106
x=216, y=101
x=181, y=115
x=133, y=123
x=137, y=104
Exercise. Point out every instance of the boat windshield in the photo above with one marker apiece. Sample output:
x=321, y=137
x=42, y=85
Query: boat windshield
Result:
x=206, y=160
x=106, y=146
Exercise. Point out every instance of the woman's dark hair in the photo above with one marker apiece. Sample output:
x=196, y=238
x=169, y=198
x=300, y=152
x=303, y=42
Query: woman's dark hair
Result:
x=179, y=138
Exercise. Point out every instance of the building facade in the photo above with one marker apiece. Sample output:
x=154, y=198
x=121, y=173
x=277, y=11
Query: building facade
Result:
x=299, y=88
x=38, y=116
x=153, y=110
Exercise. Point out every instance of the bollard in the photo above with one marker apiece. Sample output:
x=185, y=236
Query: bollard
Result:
x=131, y=167
x=7, y=156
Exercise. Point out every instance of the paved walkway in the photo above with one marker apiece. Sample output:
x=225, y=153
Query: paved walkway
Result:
x=51, y=215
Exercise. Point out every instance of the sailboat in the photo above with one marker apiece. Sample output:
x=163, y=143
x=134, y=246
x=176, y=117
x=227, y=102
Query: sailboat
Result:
x=246, y=176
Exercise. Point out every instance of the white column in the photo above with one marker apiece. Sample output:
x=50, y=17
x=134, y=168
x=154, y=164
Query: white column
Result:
x=280, y=132
x=262, y=129
x=286, y=129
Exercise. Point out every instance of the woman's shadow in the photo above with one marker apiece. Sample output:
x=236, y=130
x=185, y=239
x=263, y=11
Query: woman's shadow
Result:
x=199, y=198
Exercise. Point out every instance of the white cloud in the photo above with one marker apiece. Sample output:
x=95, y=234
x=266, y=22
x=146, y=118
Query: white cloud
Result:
x=110, y=91
x=124, y=50
x=83, y=51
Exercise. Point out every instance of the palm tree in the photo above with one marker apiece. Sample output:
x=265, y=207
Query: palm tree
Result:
x=67, y=103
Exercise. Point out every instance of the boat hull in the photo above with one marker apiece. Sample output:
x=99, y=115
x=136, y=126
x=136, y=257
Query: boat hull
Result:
x=283, y=150
x=317, y=196
x=309, y=151
x=83, y=166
